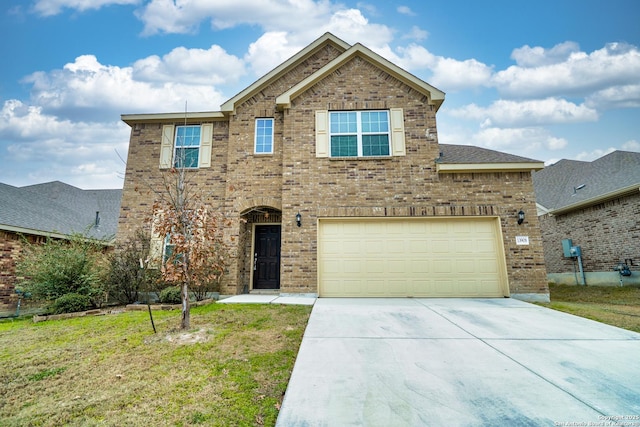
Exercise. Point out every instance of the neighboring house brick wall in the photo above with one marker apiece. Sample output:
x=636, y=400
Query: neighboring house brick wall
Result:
x=608, y=233
x=10, y=250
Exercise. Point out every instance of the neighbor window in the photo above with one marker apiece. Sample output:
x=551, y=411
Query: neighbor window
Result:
x=264, y=136
x=359, y=133
x=187, y=147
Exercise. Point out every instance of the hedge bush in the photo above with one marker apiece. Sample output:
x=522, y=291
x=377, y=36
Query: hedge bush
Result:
x=171, y=295
x=70, y=303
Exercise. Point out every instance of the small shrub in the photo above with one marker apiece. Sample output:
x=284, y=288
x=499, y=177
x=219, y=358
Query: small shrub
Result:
x=128, y=273
x=171, y=295
x=70, y=303
x=63, y=266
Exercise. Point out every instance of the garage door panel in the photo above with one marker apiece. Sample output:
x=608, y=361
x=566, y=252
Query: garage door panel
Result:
x=411, y=257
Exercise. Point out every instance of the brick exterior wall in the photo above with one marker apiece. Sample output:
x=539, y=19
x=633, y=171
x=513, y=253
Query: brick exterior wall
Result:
x=10, y=250
x=608, y=233
x=293, y=179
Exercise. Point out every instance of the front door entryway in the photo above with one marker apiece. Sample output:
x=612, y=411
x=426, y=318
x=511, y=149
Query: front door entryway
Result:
x=266, y=257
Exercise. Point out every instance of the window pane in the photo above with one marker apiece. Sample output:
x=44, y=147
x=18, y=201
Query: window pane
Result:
x=186, y=158
x=344, y=122
x=375, y=121
x=264, y=136
x=342, y=146
x=188, y=136
x=375, y=145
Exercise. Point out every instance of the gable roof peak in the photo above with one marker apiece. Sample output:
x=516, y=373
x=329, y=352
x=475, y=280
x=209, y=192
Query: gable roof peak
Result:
x=436, y=96
x=326, y=39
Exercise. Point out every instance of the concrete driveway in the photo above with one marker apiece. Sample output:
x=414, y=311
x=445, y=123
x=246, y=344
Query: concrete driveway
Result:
x=469, y=362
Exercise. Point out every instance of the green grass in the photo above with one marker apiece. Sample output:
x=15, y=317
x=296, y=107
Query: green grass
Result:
x=617, y=306
x=231, y=368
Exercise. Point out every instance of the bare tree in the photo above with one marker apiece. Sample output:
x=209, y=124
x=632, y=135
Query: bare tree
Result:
x=195, y=254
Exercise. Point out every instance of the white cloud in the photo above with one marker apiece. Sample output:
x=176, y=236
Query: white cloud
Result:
x=526, y=140
x=167, y=16
x=416, y=34
x=213, y=66
x=89, y=90
x=405, y=10
x=505, y=113
x=632, y=145
x=448, y=74
x=627, y=96
x=54, y=7
x=617, y=64
x=44, y=147
x=527, y=56
x=277, y=44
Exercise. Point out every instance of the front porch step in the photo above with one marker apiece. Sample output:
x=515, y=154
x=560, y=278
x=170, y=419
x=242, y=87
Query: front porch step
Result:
x=264, y=292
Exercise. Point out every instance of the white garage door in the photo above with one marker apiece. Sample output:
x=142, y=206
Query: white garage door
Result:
x=419, y=257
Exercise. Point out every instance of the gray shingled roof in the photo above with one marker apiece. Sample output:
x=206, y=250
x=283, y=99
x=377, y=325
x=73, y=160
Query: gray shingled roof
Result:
x=56, y=207
x=470, y=154
x=554, y=185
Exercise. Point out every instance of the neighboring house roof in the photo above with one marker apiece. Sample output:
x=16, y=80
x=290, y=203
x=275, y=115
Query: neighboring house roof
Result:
x=570, y=184
x=461, y=158
x=58, y=209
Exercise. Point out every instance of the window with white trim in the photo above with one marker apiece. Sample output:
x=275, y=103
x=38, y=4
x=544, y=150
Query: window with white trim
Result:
x=264, y=136
x=187, y=147
x=359, y=133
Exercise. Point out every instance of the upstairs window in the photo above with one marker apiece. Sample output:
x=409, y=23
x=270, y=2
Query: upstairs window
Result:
x=359, y=133
x=187, y=147
x=264, y=136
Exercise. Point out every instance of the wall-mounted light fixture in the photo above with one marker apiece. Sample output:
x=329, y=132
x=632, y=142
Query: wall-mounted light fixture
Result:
x=298, y=219
x=520, y=217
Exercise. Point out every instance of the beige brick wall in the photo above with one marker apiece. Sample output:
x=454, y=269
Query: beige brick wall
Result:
x=607, y=233
x=293, y=179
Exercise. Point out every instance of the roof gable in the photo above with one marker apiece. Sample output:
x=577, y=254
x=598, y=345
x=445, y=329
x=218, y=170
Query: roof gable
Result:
x=435, y=95
x=311, y=49
x=570, y=184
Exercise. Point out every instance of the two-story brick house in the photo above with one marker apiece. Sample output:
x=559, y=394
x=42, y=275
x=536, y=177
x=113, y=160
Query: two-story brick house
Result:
x=331, y=170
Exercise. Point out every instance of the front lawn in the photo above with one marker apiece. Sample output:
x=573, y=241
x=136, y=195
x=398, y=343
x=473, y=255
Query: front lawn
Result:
x=232, y=368
x=617, y=306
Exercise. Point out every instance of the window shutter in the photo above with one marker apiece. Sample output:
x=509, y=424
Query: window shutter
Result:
x=156, y=244
x=206, y=139
x=166, y=146
x=397, y=132
x=322, y=133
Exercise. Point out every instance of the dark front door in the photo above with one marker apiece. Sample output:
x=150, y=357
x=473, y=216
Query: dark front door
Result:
x=266, y=257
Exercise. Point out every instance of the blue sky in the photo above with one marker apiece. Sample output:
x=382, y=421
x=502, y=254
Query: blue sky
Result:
x=545, y=79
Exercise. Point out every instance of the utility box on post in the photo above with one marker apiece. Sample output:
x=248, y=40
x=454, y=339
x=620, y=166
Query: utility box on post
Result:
x=567, y=244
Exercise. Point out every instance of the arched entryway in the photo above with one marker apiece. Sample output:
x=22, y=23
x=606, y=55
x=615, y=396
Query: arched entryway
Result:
x=260, y=244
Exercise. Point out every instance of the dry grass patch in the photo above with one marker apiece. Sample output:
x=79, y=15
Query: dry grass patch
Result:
x=617, y=306
x=232, y=368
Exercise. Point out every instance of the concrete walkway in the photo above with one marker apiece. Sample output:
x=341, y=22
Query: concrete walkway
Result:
x=459, y=362
x=269, y=299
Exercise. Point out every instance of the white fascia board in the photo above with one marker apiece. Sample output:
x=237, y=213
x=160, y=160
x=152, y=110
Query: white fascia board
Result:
x=175, y=117
x=598, y=199
x=489, y=167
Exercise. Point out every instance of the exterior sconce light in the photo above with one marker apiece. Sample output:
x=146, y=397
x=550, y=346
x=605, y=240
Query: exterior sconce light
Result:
x=298, y=219
x=520, y=217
